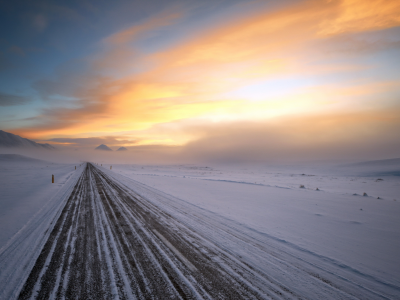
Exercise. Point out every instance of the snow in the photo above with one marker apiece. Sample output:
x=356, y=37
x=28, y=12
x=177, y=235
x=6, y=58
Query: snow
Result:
x=29, y=203
x=103, y=147
x=25, y=188
x=336, y=222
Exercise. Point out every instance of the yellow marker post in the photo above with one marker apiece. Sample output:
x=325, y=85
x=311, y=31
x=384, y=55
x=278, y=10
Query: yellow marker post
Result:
x=52, y=178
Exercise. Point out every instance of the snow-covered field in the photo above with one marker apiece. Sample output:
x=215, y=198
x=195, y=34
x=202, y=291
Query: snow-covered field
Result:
x=29, y=202
x=26, y=188
x=336, y=222
x=271, y=221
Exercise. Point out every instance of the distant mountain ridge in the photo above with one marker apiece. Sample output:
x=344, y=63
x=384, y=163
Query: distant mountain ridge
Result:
x=9, y=140
x=382, y=167
x=103, y=147
x=18, y=157
x=122, y=149
x=381, y=162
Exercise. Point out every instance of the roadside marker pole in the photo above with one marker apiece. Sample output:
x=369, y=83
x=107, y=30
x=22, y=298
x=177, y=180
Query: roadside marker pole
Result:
x=52, y=178
x=75, y=167
x=110, y=167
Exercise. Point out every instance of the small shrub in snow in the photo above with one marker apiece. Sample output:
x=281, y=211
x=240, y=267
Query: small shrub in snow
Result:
x=365, y=194
x=302, y=186
x=317, y=189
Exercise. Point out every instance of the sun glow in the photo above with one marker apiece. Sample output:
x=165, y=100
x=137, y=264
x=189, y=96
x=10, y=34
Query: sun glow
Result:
x=297, y=59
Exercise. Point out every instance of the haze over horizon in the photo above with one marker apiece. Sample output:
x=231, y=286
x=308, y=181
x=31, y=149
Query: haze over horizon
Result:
x=204, y=80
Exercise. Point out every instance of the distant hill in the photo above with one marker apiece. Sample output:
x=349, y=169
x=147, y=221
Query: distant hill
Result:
x=122, y=149
x=9, y=140
x=383, y=162
x=103, y=147
x=388, y=167
x=17, y=157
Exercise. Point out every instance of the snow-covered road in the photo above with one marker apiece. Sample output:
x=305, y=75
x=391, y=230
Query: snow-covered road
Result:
x=120, y=240
x=108, y=243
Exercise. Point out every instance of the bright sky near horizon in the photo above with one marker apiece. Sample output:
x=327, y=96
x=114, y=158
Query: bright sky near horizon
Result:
x=259, y=79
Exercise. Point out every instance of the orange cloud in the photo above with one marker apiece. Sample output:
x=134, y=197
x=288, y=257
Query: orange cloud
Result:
x=356, y=135
x=159, y=21
x=190, y=79
x=361, y=15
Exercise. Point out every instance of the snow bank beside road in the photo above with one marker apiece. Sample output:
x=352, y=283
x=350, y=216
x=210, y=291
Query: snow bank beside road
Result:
x=25, y=188
x=28, y=204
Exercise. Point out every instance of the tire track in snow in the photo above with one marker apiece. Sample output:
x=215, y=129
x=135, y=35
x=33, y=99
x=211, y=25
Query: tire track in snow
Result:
x=113, y=242
x=269, y=263
x=106, y=245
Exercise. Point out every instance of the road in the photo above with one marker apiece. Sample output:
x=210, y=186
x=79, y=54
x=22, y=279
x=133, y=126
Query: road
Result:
x=111, y=242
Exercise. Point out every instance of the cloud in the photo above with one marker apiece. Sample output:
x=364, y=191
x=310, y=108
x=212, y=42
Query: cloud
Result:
x=12, y=100
x=93, y=141
x=194, y=77
x=39, y=22
x=359, y=15
x=5, y=63
x=17, y=50
x=313, y=137
x=352, y=135
x=119, y=54
x=132, y=33
x=67, y=82
x=360, y=44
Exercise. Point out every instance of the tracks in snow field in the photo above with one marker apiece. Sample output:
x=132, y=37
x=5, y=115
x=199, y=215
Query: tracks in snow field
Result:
x=111, y=242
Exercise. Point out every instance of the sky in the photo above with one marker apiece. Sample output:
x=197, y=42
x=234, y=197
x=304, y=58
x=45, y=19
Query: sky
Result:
x=213, y=80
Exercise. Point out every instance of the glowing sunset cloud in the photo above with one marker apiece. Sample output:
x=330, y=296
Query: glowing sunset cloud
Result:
x=251, y=62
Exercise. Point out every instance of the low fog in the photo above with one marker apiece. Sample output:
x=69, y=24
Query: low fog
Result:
x=290, y=140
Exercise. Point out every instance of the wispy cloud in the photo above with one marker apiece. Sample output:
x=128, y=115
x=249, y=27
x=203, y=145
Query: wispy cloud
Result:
x=39, y=22
x=307, y=137
x=17, y=50
x=134, y=32
x=94, y=141
x=197, y=78
x=359, y=15
x=12, y=100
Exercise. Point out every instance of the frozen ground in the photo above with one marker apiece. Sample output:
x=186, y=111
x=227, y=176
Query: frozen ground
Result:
x=191, y=231
x=26, y=188
x=336, y=222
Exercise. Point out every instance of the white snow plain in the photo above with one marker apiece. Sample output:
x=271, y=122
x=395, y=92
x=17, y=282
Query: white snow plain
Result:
x=26, y=188
x=29, y=202
x=335, y=222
